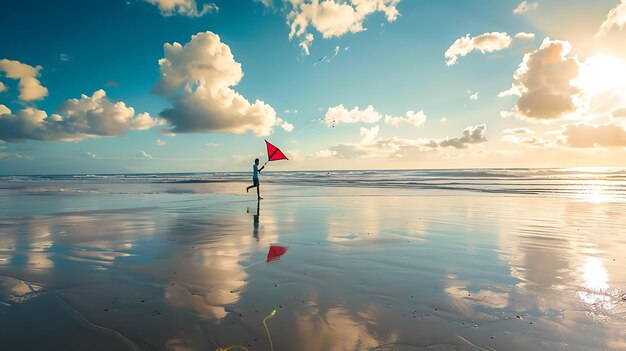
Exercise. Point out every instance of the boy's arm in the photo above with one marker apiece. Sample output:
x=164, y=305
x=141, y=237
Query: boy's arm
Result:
x=260, y=169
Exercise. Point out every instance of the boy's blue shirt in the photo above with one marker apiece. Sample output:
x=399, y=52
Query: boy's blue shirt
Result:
x=255, y=170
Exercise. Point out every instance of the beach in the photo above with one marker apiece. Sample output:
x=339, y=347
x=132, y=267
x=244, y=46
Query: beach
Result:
x=483, y=261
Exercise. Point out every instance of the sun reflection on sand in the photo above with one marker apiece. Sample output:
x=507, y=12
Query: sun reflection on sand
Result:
x=595, y=278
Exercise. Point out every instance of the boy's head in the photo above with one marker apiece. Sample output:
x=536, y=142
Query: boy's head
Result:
x=256, y=161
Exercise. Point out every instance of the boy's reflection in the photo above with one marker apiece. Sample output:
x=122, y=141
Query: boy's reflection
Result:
x=255, y=220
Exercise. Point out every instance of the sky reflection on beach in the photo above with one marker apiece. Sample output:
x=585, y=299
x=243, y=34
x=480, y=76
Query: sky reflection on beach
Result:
x=366, y=268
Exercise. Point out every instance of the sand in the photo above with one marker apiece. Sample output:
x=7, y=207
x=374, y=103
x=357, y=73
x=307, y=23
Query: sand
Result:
x=183, y=267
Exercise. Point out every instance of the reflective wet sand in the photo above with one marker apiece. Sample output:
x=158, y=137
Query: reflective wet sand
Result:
x=184, y=268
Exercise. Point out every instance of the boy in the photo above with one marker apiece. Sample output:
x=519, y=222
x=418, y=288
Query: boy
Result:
x=255, y=178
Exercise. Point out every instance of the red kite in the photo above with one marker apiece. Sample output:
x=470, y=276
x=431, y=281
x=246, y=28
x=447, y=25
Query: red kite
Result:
x=274, y=153
x=275, y=252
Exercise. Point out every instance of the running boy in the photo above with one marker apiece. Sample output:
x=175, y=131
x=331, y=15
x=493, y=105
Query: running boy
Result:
x=255, y=178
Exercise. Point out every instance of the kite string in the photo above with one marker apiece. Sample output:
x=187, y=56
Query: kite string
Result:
x=269, y=337
x=303, y=128
x=294, y=135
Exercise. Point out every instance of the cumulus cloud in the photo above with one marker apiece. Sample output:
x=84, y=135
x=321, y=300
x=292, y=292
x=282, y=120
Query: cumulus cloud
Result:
x=183, y=7
x=340, y=114
x=371, y=145
x=160, y=142
x=2, y=87
x=334, y=18
x=587, y=135
x=197, y=78
x=87, y=117
x=472, y=96
x=525, y=6
x=543, y=82
x=615, y=18
x=29, y=86
x=486, y=42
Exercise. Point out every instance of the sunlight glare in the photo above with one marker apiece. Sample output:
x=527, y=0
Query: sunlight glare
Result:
x=600, y=74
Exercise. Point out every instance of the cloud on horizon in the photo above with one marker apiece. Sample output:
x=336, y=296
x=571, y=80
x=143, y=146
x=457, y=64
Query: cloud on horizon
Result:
x=372, y=146
x=88, y=117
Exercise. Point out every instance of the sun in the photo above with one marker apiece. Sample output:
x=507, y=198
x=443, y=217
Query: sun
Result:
x=600, y=74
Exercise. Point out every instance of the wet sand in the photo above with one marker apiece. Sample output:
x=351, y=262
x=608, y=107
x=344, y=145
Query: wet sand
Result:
x=183, y=267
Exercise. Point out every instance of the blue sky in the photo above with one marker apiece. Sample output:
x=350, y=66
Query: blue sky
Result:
x=390, y=55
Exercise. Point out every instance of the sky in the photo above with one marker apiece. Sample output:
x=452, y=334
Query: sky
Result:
x=110, y=86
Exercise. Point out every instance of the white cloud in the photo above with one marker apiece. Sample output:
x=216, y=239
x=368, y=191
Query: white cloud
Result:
x=543, y=82
x=525, y=36
x=368, y=136
x=183, y=7
x=473, y=96
x=373, y=146
x=2, y=87
x=29, y=86
x=197, y=79
x=213, y=145
x=443, y=120
x=160, y=142
x=414, y=118
x=65, y=57
x=87, y=117
x=291, y=111
x=305, y=43
x=486, y=42
x=615, y=18
x=143, y=155
x=340, y=114
x=333, y=18
x=525, y=6
x=4, y=110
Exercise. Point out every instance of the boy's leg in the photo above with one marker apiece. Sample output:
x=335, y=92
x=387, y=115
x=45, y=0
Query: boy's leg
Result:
x=258, y=191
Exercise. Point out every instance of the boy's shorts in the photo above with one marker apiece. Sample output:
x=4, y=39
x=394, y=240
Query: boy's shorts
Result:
x=255, y=181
